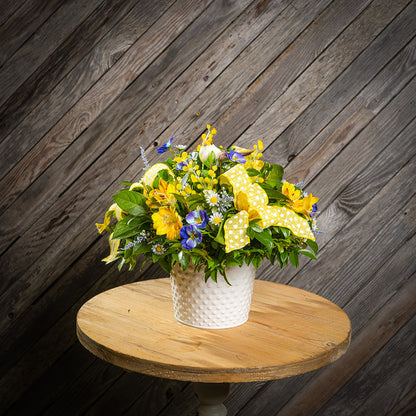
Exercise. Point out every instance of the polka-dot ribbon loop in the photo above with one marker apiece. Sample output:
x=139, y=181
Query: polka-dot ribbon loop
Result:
x=150, y=174
x=235, y=231
x=251, y=200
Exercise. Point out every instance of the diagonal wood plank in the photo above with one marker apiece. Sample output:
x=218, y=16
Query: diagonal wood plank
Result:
x=356, y=157
x=112, y=83
x=278, y=77
x=406, y=406
x=352, y=81
x=21, y=25
x=119, y=33
x=396, y=386
x=350, y=46
x=399, y=351
x=41, y=44
x=7, y=9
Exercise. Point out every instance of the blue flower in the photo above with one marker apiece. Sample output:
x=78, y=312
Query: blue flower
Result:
x=314, y=209
x=235, y=156
x=191, y=236
x=165, y=147
x=181, y=165
x=199, y=218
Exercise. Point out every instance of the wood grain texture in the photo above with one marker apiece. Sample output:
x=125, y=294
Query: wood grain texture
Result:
x=289, y=332
x=327, y=85
x=27, y=58
x=39, y=86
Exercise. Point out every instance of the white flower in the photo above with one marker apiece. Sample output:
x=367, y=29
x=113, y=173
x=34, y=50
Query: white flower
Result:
x=216, y=218
x=205, y=152
x=212, y=198
x=158, y=249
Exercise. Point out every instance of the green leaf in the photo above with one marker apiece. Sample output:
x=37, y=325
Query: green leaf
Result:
x=164, y=174
x=257, y=261
x=285, y=232
x=194, y=201
x=252, y=172
x=307, y=253
x=130, y=201
x=165, y=264
x=254, y=221
x=124, y=230
x=132, y=263
x=201, y=252
x=129, y=226
x=312, y=245
x=275, y=176
x=256, y=228
x=184, y=259
x=211, y=158
x=155, y=183
x=250, y=232
x=265, y=238
x=121, y=264
x=294, y=258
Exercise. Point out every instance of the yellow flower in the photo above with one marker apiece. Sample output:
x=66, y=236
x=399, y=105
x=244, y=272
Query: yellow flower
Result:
x=290, y=191
x=304, y=205
x=167, y=221
x=163, y=194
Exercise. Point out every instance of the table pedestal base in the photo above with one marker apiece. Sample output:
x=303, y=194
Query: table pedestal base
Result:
x=211, y=397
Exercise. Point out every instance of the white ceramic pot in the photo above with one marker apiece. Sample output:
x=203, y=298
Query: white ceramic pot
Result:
x=212, y=305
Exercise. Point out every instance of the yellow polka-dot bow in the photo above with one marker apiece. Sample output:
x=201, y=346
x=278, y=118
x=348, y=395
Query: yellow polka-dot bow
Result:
x=251, y=200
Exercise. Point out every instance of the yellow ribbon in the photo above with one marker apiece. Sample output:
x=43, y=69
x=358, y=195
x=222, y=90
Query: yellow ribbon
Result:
x=151, y=173
x=107, y=218
x=252, y=202
x=113, y=249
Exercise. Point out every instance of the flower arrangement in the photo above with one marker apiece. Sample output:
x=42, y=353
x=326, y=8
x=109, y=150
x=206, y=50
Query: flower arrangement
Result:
x=213, y=207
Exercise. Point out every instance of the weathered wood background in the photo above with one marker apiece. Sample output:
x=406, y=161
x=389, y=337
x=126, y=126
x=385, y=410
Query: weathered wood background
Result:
x=328, y=85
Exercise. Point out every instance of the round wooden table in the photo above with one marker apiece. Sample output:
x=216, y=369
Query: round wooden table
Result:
x=290, y=331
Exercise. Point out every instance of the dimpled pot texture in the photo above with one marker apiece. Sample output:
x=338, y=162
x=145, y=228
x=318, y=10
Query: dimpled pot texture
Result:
x=212, y=305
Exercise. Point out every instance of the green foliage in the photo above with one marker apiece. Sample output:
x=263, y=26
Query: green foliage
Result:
x=132, y=202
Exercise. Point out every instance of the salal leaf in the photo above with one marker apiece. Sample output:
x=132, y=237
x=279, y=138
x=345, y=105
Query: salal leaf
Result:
x=252, y=172
x=130, y=201
x=307, y=253
x=265, y=238
x=184, y=258
x=294, y=258
x=276, y=175
x=313, y=245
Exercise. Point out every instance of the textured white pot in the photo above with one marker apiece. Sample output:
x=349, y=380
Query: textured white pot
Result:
x=212, y=305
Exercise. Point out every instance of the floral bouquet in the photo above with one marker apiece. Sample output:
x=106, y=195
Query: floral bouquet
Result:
x=211, y=207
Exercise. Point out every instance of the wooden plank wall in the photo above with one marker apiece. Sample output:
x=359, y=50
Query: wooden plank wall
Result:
x=328, y=85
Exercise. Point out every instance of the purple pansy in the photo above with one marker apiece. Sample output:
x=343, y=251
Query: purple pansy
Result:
x=191, y=236
x=165, y=147
x=181, y=165
x=235, y=156
x=199, y=218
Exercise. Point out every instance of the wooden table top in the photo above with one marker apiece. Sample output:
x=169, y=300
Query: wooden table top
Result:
x=289, y=332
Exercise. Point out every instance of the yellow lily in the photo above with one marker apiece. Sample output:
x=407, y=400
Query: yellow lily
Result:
x=304, y=205
x=290, y=191
x=167, y=221
x=163, y=195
